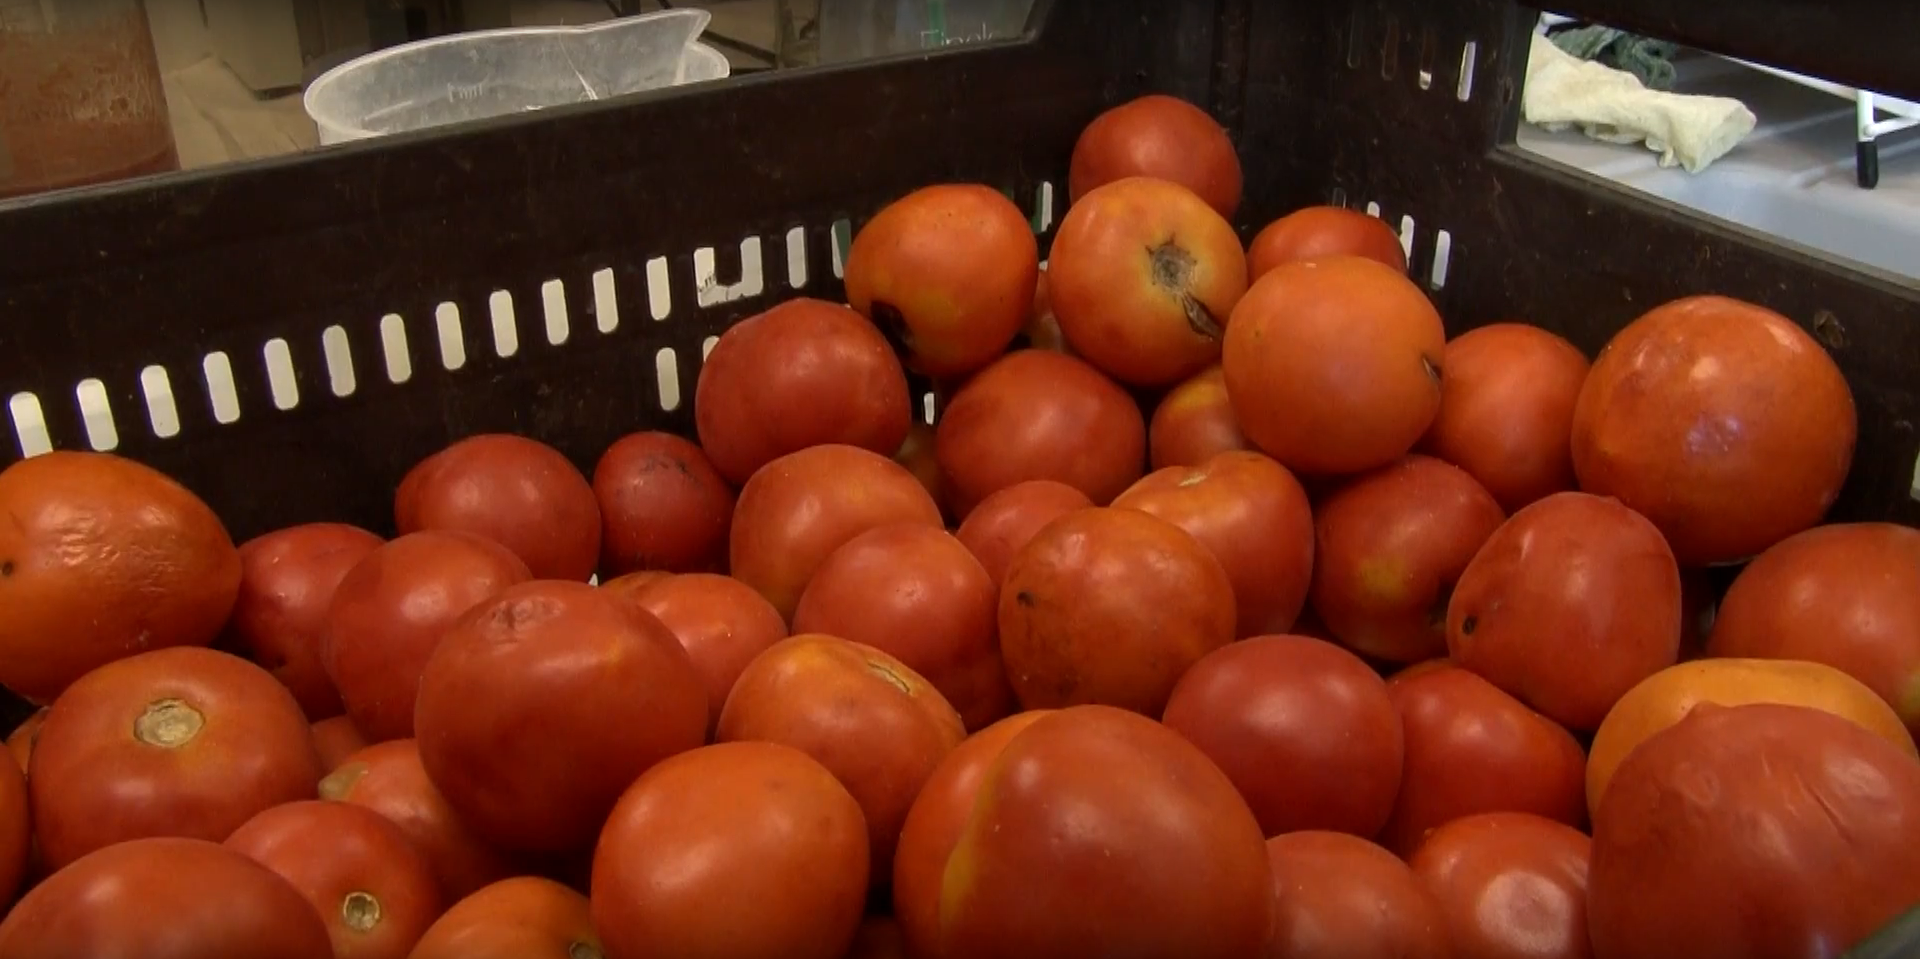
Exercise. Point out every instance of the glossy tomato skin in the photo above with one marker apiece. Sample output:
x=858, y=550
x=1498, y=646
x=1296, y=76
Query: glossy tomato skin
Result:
x=1158, y=136
x=877, y=725
x=1253, y=516
x=1194, y=422
x=388, y=614
x=525, y=917
x=1305, y=730
x=949, y=272
x=1110, y=606
x=780, y=849
x=1568, y=605
x=1006, y=520
x=1333, y=365
x=287, y=579
x=1074, y=849
x=794, y=513
x=105, y=558
x=1143, y=276
x=721, y=623
x=1765, y=810
x=1846, y=595
x=1471, y=748
x=165, y=898
x=16, y=832
x=1338, y=896
x=547, y=663
x=1037, y=414
x=933, y=827
x=1778, y=410
x=376, y=893
x=1321, y=231
x=1507, y=392
x=388, y=778
x=917, y=594
x=1390, y=546
x=662, y=506
x=804, y=373
x=518, y=492
x=1511, y=885
x=183, y=741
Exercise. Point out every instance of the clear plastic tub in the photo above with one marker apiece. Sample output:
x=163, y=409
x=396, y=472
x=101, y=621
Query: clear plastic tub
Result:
x=488, y=73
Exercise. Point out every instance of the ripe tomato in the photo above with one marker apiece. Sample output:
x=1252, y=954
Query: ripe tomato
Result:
x=663, y=506
x=948, y=272
x=804, y=373
x=1338, y=896
x=518, y=492
x=1194, y=423
x=1005, y=521
x=1512, y=885
x=540, y=705
x=721, y=623
x=526, y=917
x=389, y=612
x=336, y=739
x=16, y=832
x=103, y=558
x=1158, y=136
x=388, y=779
x=287, y=579
x=164, y=898
x=1318, y=231
x=1506, y=410
x=373, y=889
x=182, y=741
x=747, y=850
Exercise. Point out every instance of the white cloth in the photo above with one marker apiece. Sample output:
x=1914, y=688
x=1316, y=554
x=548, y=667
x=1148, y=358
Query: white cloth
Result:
x=1564, y=91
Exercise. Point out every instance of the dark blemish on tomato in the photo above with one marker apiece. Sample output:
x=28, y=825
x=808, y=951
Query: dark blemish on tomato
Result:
x=6, y=568
x=1025, y=598
x=1467, y=625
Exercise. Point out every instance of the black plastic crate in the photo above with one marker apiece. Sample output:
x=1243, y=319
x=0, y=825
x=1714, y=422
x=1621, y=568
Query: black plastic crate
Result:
x=659, y=220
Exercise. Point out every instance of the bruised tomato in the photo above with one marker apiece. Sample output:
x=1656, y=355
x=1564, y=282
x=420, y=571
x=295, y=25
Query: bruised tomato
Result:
x=1333, y=365
x=1506, y=410
x=721, y=623
x=389, y=779
x=1110, y=606
x=390, y=610
x=525, y=917
x=662, y=506
x=374, y=890
x=1253, y=516
x=1337, y=896
x=1005, y=521
x=1163, y=137
x=804, y=373
x=164, y=898
x=878, y=726
x=1194, y=423
x=518, y=492
x=948, y=272
x=795, y=512
x=1305, y=730
x=181, y=741
x=934, y=824
x=750, y=850
x=1143, y=275
x=542, y=664
x=1036, y=414
x=917, y=594
x=287, y=578
x=1319, y=231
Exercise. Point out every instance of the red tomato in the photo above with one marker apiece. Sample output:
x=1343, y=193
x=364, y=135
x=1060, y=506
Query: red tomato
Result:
x=373, y=889
x=521, y=918
x=388, y=779
x=746, y=850
x=164, y=898
x=390, y=610
x=1158, y=136
x=182, y=741
x=520, y=493
x=540, y=705
x=1512, y=885
x=287, y=579
x=336, y=739
x=1338, y=896
x=1194, y=423
x=1318, y=231
x=1506, y=410
x=916, y=593
x=16, y=832
x=663, y=506
x=721, y=623
x=1005, y=521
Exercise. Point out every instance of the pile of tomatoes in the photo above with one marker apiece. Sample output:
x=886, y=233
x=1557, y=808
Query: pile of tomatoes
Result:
x=1225, y=609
